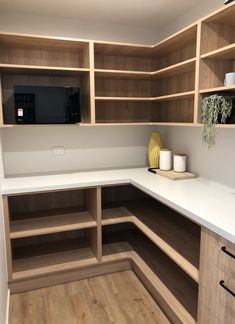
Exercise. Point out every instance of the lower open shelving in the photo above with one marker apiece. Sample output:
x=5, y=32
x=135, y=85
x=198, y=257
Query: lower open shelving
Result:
x=51, y=253
x=177, y=236
x=172, y=284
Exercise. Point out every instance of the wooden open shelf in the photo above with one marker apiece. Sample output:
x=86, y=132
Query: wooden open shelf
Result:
x=224, y=53
x=165, y=228
x=78, y=233
x=175, y=110
x=218, y=89
x=181, y=95
x=42, y=70
x=31, y=50
x=51, y=257
x=46, y=222
x=171, y=283
x=118, y=82
x=122, y=74
x=218, y=30
x=176, y=69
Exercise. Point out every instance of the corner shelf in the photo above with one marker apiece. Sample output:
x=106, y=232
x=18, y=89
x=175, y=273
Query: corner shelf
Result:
x=121, y=74
x=179, y=68
x=181, y=95
x=149, y=218
x=171, y=284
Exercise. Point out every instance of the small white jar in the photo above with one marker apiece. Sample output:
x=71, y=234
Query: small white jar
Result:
x=165, y=160
x=180, y=162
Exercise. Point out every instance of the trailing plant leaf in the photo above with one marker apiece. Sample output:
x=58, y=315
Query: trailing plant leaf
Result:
x=213, y=108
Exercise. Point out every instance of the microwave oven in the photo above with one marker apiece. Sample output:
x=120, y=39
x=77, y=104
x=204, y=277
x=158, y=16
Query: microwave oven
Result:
x=47, y=105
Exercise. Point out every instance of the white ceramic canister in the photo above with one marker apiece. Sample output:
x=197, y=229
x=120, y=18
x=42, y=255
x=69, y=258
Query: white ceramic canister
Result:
x=165, y=159
x=180, y=162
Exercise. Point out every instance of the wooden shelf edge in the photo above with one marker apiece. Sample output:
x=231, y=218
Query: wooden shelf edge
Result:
x=219, y=51
x=89, y=260
x=117, y=72
x=122, y=215
x=123, y=98
x=218, y=89
x=174, y=67
x=146, y=74
x=47, y=224
x=180, y=95
x=124, y=250
x=9, y=67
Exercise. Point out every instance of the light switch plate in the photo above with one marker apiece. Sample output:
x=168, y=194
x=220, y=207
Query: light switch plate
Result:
x=58, y=150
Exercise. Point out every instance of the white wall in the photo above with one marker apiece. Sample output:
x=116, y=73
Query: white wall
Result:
x=29, y=149
x=58, y=26
x=216, y=163
x=204, y=8
x=3, y=270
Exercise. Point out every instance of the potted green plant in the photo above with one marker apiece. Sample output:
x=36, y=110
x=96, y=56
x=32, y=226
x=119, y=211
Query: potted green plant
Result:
x=215, y=109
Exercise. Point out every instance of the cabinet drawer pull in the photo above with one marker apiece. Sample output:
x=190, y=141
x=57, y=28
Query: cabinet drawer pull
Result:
x=227, y=252
x=226, y=288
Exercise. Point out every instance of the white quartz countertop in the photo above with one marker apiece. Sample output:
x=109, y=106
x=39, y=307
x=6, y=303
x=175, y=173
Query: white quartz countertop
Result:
x=207, y=203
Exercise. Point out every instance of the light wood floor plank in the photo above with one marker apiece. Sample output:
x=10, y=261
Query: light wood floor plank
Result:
x=118, y=298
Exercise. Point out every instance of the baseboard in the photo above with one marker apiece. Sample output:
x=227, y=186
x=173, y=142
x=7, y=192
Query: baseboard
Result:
x=98, y=269
x=8, y=307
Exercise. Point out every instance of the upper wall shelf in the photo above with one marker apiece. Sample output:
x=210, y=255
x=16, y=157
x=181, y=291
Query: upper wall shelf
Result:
x=43, y=51
x=218, y=89
x=224, y=53
x=41, y=70
x=126, y=83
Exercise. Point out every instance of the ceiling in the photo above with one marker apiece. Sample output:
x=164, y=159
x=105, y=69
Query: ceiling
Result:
x=141, y=13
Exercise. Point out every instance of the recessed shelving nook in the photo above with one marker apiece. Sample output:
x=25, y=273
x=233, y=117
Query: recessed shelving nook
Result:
x=123, y=83
x=217, y=53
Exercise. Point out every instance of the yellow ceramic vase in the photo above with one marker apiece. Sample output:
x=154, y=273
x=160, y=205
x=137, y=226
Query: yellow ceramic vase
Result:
x=155, y=145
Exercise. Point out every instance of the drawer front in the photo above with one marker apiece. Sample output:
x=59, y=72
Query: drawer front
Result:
x=206, y=317
x=218, y=251
x=216, y=298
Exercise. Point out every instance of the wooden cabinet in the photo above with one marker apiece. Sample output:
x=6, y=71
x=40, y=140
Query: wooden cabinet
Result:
x=59, y=236
x=160, y=84
x=217, y=278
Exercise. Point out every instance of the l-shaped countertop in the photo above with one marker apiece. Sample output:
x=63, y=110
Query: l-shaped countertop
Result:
x=205, y=202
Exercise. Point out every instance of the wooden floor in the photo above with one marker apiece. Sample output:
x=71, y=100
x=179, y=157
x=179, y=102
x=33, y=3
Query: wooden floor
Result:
x=118, y=298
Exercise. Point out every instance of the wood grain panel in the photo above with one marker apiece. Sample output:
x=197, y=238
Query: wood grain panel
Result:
x=60, y=221
x=118, y=62
x=6, y=215
x=97, y=269
x=216, y=35
x=45, y=201
x=214, y=297
x=206, y=317
x=212, y=245
x=213, y=72
x=164, y=227
x=176, y=111
x=122, y=88
x=170, y=282
x=45, y=52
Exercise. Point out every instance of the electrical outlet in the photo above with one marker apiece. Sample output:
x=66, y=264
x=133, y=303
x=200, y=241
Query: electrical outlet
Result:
x=58, y=150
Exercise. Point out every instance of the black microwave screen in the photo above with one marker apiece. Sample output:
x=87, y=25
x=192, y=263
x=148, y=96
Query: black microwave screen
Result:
x=46, y=105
